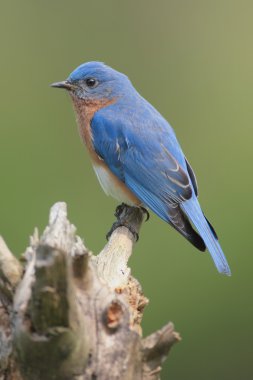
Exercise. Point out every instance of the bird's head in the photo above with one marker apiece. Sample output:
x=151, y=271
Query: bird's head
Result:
x=94, y=81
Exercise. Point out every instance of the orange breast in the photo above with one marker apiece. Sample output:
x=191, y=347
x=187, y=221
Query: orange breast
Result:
x=110, y=183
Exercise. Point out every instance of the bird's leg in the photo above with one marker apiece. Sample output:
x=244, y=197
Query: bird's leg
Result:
x=122, y=221
x=127, y=217
x=119, y=210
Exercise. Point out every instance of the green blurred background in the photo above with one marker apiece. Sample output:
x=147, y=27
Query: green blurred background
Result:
x=193, y=60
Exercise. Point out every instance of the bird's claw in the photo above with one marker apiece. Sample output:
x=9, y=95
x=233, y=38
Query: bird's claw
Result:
x=122, y=224
x=123, y=220
x=145, y=211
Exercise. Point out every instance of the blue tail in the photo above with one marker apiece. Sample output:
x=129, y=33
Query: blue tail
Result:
x=192, y=209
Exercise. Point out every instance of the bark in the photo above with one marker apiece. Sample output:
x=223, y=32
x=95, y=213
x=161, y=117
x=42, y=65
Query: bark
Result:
x=67, y=314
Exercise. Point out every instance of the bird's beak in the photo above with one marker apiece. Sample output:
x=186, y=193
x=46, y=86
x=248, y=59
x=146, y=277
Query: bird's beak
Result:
x=64, y=84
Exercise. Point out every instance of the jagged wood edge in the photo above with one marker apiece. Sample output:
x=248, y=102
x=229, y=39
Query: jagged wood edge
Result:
x=86, y=270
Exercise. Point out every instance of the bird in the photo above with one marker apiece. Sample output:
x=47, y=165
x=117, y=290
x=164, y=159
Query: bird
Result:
x=136, y=155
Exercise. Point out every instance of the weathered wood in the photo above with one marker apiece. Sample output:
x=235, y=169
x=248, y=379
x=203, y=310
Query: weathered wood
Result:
x=73, y=315
x=10, y=272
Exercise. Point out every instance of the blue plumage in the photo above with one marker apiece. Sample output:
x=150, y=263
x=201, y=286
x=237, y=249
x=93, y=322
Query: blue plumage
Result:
x=193, y=211
x=140, y=148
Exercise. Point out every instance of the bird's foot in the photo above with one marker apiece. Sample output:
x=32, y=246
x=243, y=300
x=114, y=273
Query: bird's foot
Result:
x=123, y=224
x=119, y=210
x=129, y=217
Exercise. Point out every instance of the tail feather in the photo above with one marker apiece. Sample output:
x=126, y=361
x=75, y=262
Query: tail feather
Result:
x=192, y=209
x=180, y=222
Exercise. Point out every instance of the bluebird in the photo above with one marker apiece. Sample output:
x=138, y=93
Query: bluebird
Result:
x=135, y=153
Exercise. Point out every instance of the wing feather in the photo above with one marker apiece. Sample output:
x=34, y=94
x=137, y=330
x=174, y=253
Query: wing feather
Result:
x=151, y=165
x=147, y=160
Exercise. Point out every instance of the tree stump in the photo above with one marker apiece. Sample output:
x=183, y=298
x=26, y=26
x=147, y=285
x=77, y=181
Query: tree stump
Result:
x=67, y=314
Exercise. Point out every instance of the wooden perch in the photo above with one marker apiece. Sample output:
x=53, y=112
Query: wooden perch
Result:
x=70, y=315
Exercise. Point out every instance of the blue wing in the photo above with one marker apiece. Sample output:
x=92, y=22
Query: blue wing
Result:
x=143, y=152
x=146, y=154
x=142, y=159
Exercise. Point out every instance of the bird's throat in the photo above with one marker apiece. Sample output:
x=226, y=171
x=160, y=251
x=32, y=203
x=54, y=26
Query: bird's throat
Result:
x=85, y=111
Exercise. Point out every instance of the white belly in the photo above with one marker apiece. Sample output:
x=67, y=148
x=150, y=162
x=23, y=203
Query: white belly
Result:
x=109, y=185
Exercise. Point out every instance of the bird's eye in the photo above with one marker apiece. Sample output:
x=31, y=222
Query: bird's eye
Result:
x=91, y=82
